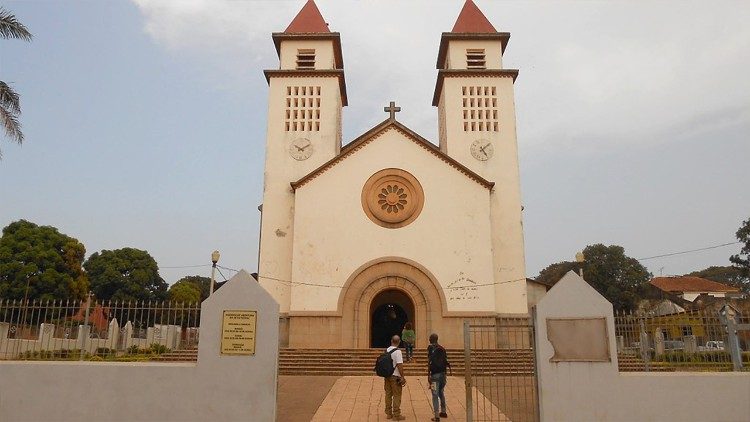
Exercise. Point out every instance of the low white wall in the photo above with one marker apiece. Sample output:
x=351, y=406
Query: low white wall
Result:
x=597, y=391
x=216, y=388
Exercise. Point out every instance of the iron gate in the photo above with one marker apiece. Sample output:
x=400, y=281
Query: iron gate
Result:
x=500, y=370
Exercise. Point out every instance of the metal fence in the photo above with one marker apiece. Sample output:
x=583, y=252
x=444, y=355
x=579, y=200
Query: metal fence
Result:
x=96, y=330
x=699, y=340
x=500, y=370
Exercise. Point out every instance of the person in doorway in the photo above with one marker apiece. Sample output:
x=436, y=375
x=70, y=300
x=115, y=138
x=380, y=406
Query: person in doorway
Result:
x=437, y=365
x=408, y=337
x=395, y=383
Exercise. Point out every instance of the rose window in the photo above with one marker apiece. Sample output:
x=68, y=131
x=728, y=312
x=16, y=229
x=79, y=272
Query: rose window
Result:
x=392, y=198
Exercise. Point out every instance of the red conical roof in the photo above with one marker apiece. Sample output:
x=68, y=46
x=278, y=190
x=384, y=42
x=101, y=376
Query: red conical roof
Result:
x=308, y=20
x=472, y=20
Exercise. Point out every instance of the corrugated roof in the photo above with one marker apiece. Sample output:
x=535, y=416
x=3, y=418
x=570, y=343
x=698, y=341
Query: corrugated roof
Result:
x=690, y=284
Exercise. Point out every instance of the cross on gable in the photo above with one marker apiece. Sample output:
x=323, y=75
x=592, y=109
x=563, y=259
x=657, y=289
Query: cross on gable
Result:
x=392, y=109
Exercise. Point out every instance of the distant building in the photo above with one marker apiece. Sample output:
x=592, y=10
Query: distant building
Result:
x=689, y=288
x=535, y=291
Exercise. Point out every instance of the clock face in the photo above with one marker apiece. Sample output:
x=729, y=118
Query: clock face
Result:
x=482, y=149
x=301, y=149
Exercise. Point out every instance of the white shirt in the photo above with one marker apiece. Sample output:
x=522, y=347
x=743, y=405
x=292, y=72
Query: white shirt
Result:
x=397, y=358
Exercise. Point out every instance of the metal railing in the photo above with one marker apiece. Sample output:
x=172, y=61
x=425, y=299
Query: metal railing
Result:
x=695, y=340
x=96, y=330
x=500, y=374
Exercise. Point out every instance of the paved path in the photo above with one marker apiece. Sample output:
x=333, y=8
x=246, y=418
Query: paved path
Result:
x=361, y=399
x=300, y=396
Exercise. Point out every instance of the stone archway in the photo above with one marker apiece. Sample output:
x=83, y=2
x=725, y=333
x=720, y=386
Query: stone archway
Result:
x=390, y=310
x=381, y=275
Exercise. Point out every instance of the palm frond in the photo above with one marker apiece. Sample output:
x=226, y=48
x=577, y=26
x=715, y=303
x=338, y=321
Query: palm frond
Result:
x=10, y=27
x=11, y=125
x=9, y=99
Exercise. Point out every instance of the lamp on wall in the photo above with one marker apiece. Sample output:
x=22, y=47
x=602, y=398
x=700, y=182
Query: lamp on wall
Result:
x=579, y=259
x=214, y=259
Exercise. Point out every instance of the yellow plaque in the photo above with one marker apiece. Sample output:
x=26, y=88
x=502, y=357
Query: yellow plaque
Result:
x=238, y=332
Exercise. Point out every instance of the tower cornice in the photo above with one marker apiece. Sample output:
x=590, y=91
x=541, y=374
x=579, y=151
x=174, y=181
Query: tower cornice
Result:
x=469, y=73
x=446, y=37
x=324, y=73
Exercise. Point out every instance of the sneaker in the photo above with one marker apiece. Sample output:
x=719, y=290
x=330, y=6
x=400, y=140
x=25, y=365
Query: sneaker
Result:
x=435, y=419
x=388, y=417
x=398, y=418
x=443, y=415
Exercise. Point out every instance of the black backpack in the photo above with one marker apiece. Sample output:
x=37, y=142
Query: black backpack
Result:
x=384, y=364
x=438, y=360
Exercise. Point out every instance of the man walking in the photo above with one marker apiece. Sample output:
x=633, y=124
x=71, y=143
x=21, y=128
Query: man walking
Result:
x=437, y=364
x=395, y=383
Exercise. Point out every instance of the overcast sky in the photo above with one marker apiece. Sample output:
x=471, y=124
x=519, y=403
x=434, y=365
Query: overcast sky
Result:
x=145, y=119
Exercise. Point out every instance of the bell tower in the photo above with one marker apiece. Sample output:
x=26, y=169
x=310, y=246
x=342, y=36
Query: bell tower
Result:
x=477, y=127
x=305, y=100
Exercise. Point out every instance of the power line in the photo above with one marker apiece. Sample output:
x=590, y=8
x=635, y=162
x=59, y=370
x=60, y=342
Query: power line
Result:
x=341, y=287
x=689, y=251
x=187, y=266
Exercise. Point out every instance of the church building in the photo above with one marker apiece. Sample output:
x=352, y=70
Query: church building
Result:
x=358, y=239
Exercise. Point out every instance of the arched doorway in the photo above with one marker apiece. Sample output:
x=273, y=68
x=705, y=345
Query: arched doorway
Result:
x=389, y=311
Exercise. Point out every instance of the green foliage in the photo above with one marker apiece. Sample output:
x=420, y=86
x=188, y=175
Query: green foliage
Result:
x=10, y=107
x=126, y=274
x=742, y=259
x=158, y=349
x=42, y=259
x=190, y=289
x=554, y=272
x=729, y=275
x=133, y=350
x=618, y=277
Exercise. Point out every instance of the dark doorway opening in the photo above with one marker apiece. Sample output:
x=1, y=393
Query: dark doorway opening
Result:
x=390, y=310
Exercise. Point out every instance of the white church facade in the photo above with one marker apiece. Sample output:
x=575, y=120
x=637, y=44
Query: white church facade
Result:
x=358, y=239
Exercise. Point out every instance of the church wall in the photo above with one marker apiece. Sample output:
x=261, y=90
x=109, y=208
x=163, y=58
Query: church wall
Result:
x=334, y=237
x=323, y=53
x=457, y=53
x=502, y=168
x=277, y=229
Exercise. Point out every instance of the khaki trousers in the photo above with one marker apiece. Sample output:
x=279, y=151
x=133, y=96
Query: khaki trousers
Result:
x=392, y=396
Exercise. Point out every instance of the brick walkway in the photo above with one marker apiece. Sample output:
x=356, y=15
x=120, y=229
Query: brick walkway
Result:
x=361, y=399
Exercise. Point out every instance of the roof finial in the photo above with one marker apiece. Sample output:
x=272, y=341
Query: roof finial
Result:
x=392, y=109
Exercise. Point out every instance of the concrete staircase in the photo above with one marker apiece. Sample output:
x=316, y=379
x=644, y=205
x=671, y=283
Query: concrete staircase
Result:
x=362, y=361
x=500, y=362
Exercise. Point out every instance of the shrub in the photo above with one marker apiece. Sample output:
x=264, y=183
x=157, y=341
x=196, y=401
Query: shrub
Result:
x=158, y=349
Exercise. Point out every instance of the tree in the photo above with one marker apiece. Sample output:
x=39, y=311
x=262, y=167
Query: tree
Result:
x=729, y=275
x=554, y=272
x=125, y=274
x=184, y=291
x=203, y=284
x=39, y=262
x=10, y=106
x=740, y=262
x=618, y=277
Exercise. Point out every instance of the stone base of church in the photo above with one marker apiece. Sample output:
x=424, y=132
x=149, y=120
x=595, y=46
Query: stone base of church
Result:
x=333, y=332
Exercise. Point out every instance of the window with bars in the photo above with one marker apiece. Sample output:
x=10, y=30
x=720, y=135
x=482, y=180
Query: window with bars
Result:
x=306, y=59
x=302, y=109
x=480, y=110
x=475, y=58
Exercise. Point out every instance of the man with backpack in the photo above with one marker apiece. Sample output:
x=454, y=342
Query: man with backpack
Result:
x=437, y=365
x=390, y=366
